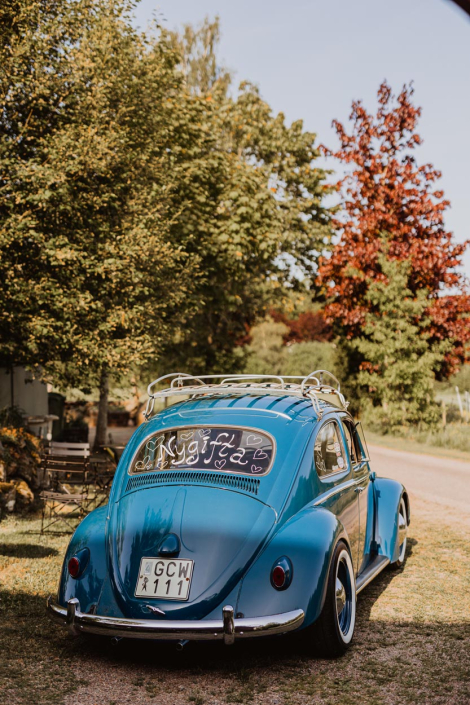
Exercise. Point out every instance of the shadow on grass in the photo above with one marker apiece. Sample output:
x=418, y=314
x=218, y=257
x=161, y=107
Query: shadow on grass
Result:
x=27, y=550
x=259, y=653
x=374, y=590
x=35, y=666
x=31, y=644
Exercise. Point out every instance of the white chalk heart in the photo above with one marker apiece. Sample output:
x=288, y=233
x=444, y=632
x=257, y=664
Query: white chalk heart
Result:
x=204, y=432
x=253, y=440
x=187, y=436
x=143, y=464
x=151, y=445
x=161, y=465
x=259, y=455
x=255, y=469
x=219, y=464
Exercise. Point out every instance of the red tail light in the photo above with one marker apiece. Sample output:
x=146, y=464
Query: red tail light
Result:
x=279, y=576
x=281, y=573
x=74, y=566
x=78, y=563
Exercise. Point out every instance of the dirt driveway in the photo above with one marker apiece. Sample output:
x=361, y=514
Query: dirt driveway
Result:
x=440, y=480
x=412, y=643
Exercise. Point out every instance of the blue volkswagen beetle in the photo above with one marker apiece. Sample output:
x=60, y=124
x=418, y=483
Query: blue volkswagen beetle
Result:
x=247, y=509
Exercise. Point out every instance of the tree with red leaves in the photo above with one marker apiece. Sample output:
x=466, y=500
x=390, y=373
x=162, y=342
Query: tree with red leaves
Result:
x=392, y=205
x=307, y=326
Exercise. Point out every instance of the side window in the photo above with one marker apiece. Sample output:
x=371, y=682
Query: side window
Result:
x=361, y=439
x=352, y=442
x=328, y=451
x=356, y=442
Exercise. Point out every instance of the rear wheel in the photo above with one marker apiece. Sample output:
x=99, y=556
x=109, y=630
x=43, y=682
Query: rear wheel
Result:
x=402, y=535
x=333, y=631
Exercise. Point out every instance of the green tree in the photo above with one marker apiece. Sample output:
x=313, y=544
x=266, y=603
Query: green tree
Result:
x=303, y=358
x=250, y=205
x=138, y=212
x=266, y=352
x=197, y=49
x=91, y=281
x=397, y=372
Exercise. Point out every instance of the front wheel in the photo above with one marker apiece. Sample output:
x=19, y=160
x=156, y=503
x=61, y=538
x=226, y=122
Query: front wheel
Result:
x=402, y=535
x=333, y=631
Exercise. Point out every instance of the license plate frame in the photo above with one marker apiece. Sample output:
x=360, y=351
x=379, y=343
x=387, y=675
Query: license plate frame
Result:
x=162, y=585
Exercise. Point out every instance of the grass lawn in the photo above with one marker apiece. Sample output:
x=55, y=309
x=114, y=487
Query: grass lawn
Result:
x=412, y=641
x=415, y=446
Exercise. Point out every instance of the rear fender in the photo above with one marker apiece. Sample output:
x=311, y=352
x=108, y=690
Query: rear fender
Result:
x=308, y=540
x=388, y=495
x=90, y=534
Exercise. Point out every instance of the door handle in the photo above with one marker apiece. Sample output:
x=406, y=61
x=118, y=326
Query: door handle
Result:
x=359, y=489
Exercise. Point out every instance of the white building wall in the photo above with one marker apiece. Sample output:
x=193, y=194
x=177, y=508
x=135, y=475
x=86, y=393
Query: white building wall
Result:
x=29, y=394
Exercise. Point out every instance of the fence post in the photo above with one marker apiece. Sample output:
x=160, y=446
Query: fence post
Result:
x=444, y=414
x=459, y=400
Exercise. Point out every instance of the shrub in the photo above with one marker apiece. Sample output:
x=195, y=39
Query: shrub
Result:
x=303, y=358
x=20, y=450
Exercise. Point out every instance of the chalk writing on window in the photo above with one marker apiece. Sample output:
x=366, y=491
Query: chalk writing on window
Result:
x=218, y=449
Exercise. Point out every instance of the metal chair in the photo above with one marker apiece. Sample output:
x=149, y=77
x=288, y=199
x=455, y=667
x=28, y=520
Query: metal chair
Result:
x=102, y=470
x=65, y=465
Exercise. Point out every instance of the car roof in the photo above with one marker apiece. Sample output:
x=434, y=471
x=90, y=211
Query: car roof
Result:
x=288, y=419
x=293, y=408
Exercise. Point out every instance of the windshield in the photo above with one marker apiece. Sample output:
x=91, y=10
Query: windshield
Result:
x=220, y=449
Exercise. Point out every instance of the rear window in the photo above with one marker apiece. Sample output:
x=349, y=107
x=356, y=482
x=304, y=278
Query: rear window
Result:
x=218, y=449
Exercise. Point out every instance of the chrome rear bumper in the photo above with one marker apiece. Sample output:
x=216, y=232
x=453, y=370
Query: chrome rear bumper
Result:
x=227, y=629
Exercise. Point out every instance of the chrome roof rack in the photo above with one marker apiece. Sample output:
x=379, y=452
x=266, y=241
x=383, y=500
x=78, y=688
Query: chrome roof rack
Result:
x=311, y=387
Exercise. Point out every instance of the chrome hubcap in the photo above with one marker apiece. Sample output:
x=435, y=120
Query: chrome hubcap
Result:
x=345, y=590
x=402, y=529
x=340, y=596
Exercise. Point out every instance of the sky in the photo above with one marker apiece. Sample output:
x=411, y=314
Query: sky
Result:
x=311, y=59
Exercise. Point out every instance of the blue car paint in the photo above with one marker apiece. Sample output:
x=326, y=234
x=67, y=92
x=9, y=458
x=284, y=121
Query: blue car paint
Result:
x=307, y=539
x=89, y=534
x=233, y=536
x=388, y=494
x=203, y=518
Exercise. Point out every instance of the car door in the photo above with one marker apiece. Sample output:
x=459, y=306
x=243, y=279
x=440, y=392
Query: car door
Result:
x=335, y=476
x=359, y=462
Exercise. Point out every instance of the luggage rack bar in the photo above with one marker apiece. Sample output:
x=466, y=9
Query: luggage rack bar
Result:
x=309, y=387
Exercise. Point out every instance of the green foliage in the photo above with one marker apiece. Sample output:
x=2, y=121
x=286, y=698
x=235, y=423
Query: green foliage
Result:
x=12, y=417
x=90, y=277
x=20, y=453
x=452, y=437
x=267, y=353
x=398, y=373
x=455, y=437
x=197, y=50
x=249, y=202
x=144, y=212
x=461, y=379
x=303, y=358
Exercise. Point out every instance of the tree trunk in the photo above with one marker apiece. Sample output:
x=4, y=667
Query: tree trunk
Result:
x=102, y=421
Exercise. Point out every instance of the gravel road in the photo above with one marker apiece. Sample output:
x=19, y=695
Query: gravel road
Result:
x=427, y=478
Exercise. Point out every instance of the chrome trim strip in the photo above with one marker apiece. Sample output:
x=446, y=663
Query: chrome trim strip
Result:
x=335, y=490
x=227, y=629
x=367, y=577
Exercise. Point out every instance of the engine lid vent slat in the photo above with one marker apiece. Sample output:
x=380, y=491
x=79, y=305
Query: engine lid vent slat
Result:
x=248, y=484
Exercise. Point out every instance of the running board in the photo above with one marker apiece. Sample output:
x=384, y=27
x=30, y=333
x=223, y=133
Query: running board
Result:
x=373, y=569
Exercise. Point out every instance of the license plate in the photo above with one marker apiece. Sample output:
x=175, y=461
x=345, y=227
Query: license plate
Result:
x=167, y=578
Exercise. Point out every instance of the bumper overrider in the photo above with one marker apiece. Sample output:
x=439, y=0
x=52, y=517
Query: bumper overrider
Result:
x=226, y=629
